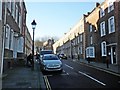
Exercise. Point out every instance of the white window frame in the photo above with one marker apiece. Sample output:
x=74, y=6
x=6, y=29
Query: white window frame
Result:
x=81, y=38
x=111, y=23
x=16, y=12
x=13, y=9
x=19, y=20
x=102, y=28
x=102, y=12
x=91, y=40
x=110, y=5
x=90, y=52
x=9, y=5
x=90, y=28
x=7, y=38
x=11, y=37
x=0, y=10
x=103, y=48
x=6, y=31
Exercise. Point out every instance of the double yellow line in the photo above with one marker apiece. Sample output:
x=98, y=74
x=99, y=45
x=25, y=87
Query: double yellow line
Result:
x=47, y=83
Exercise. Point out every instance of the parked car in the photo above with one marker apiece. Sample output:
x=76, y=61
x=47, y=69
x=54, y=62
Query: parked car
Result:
x=51, y=62
x=43, y=52
x=62, y=56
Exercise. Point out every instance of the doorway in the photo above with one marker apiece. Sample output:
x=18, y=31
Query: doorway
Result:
x=112, y=54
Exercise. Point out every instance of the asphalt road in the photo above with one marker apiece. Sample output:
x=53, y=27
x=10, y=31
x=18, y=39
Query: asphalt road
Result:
x=76, y=75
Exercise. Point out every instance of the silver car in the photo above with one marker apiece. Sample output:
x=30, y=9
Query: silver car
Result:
x=51, y=62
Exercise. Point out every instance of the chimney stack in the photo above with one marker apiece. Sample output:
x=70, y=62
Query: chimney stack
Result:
x=97, y=4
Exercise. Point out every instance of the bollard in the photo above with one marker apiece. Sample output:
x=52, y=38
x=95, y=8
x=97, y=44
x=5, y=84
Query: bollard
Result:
x=88, y=59
x=107, y=62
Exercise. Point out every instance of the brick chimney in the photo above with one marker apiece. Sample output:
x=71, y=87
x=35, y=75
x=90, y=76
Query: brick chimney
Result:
x=97, y=4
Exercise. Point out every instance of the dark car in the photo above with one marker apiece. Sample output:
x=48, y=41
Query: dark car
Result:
x=51, y=62
x=62, y=56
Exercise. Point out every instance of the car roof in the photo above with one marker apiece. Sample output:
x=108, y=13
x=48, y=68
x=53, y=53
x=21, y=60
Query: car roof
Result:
x=50, y=55
x=42, y=52
x=46, y=50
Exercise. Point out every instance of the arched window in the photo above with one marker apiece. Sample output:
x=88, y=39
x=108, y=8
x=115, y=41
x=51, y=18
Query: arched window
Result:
x=103, y=48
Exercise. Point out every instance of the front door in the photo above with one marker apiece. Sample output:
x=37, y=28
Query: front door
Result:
x=113, y=55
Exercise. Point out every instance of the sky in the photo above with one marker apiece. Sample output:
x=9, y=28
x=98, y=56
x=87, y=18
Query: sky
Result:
x=54, y=19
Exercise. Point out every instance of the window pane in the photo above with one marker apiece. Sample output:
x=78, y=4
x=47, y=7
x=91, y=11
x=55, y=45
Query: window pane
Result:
x=111, y=24
x=91, y=51
x=90, y=28
x=102, y=28
x=103, y=48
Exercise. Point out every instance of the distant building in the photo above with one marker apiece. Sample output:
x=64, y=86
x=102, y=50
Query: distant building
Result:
x=48, y=45
x=28, y=42
x=73, y=43
x=38, y=46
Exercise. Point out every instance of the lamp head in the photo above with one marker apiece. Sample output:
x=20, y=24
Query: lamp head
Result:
x=33, y=24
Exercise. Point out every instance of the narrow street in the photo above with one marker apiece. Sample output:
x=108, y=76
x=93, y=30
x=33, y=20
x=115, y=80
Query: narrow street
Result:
x=81, y=39
x=74, y=75
x=77, y=75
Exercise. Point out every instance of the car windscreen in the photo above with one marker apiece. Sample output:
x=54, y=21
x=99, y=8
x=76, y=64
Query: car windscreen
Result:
x=50, y=58
x=46, y=52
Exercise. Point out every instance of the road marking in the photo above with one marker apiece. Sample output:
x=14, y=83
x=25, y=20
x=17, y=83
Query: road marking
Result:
x=69, y=66
x=65, y=74
x=91, y=78
x=47, y=83
x=63, y=70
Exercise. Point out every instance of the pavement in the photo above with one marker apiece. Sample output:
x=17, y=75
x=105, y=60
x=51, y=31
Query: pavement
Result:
x=109, y=68
x=23, y=77
x=26, y=78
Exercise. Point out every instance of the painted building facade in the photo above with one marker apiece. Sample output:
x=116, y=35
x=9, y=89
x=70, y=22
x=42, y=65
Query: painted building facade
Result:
x=13, y=23
x=28, y=42
x=109, y=26
x=48, y=45
x=73, y=43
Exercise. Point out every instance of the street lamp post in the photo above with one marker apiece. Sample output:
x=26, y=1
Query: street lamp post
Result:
x=33, y=27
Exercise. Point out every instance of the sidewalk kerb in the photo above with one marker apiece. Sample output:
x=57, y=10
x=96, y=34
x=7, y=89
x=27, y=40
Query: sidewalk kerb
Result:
x=100, y=68
x=96, y=67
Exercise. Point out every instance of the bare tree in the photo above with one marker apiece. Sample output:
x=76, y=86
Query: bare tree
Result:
x=45, y=38
x=38, y=45
x=39, y=42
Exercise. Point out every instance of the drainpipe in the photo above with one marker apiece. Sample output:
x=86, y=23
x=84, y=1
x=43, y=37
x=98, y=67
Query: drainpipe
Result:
x=3, y=44
x=1, y=30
